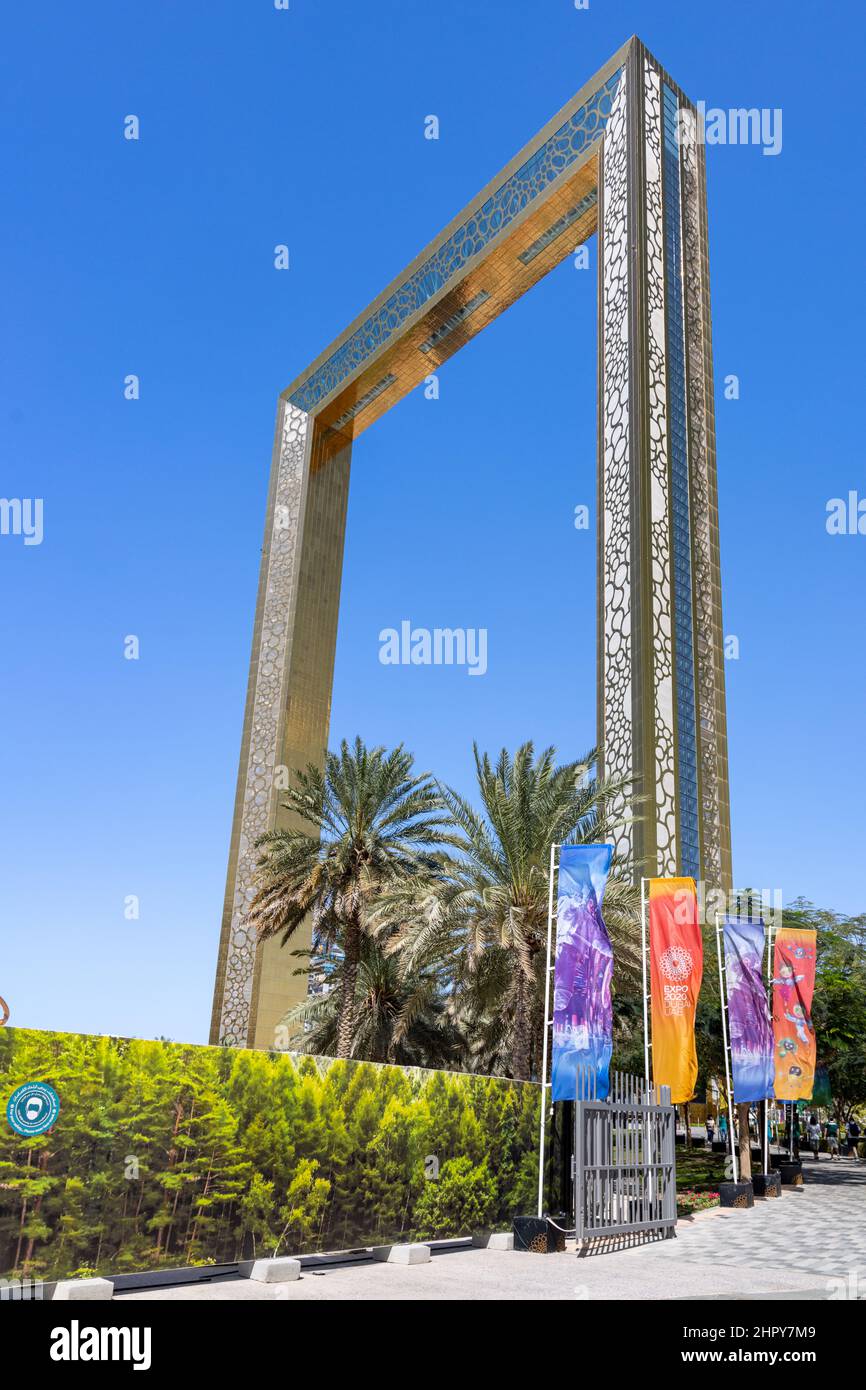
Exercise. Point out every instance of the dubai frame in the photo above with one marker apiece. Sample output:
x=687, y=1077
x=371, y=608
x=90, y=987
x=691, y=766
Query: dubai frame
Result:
x=624, y=158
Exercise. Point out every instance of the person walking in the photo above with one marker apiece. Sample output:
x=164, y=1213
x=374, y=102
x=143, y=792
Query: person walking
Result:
x=723, y=1128
x=853, y=1136
x=795, y=1134
x=813, y=1132
x=711, y=1130
x=832, y=1133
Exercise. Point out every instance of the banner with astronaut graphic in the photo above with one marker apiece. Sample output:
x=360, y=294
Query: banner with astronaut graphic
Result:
x=749, y=1024
x=676, y=971
x=582, y=1005
x=793, y=1034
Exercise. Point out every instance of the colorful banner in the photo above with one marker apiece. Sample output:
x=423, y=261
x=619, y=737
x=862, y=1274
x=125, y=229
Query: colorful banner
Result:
x=676, y=968
x=793, y=1034
x=582, y=1007
x=749, y=1025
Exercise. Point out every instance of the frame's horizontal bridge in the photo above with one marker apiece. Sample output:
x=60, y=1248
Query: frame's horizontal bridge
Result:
x=529, y=218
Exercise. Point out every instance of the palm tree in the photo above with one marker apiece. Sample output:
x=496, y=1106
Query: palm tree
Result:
x=490, y=916
x=400, y=1016
x=364, y=824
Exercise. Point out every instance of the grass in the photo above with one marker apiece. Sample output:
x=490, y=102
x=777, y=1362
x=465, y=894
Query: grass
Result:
x=699, y=1169
x=699, y=1173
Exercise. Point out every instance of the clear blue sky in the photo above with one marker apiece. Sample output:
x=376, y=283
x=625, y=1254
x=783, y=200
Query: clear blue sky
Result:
x=156, y=258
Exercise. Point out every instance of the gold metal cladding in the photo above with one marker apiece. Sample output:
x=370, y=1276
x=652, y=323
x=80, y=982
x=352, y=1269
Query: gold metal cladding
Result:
x=499, y=273
x=288, y=710
x=372, y=370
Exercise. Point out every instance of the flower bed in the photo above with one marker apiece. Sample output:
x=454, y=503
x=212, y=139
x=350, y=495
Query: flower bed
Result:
x=690, y=1201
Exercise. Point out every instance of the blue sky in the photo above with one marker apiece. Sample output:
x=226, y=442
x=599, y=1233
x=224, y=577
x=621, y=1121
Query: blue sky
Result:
x=155, y=257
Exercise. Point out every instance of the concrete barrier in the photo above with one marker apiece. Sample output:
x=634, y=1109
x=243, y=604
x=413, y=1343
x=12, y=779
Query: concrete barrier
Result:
x=402, y=1254
x=78, y=1290
x=493, y=1240
x=275, y=1271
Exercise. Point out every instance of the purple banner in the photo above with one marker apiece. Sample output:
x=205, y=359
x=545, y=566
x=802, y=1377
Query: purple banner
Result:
x=749, y=1022
x=582, y=1008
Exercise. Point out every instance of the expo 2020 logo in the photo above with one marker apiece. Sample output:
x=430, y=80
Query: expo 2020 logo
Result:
x=676, y=963
x=33, y=1108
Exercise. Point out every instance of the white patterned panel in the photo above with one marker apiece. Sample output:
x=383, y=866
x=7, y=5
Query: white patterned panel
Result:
x=660, y=549
x=706, y=619
x=616, y=671
x=271, y=663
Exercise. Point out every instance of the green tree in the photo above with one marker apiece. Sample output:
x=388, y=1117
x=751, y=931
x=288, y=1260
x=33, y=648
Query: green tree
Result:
x=305, y=1199
x=401, y=1016
x=461, y=1200
x=489, y=916
x=257, y=1208
x=365, y=823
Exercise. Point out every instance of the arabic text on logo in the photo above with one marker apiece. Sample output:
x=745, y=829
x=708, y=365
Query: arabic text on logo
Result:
x=33, y=1108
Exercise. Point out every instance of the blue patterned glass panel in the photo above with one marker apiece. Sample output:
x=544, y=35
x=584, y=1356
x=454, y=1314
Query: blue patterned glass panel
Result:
x=687, y=758
x=500, y=209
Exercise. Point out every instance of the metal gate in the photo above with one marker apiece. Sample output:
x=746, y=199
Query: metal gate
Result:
x=625, y=1169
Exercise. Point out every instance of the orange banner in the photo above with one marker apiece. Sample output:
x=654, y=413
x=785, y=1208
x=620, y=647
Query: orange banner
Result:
x=676, y=969
x=793, y=1034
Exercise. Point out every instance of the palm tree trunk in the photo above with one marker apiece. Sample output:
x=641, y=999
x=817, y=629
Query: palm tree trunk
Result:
x=521, y=1050
x=351, y=959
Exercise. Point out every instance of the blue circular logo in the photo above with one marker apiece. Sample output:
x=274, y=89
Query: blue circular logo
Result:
x=33, y=1108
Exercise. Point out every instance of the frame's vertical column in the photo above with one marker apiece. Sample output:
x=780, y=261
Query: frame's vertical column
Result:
x=710, y=671
x=657, y=646
x=660, y=659
x=615, y=578
x=636, y=609
x=287, y=709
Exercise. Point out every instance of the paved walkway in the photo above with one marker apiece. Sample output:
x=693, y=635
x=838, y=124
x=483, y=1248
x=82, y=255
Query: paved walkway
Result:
x=791, y=1248
x=819, y=1228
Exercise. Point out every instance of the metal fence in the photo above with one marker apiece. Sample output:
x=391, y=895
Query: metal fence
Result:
x=625, y=1168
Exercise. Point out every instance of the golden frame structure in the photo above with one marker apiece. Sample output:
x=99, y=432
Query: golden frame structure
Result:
x=624, y=158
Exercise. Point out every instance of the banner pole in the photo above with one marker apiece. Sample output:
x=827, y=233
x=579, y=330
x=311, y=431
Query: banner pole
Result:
x=770, y=1007
x=553, y=849
x=722, y=993
x=643, y=945
x=790, y=1128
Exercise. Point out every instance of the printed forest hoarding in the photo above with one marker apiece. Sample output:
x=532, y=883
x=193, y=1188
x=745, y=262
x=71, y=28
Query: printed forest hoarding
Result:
x=165, y=1154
